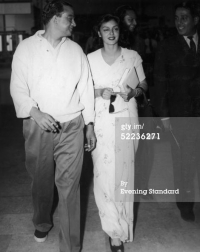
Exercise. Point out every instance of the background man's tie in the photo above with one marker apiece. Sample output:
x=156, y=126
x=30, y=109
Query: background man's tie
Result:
x=192, y=44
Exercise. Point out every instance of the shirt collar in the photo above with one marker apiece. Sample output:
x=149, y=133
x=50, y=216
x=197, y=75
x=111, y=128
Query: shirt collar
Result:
x=38, y=35
x=195, y=38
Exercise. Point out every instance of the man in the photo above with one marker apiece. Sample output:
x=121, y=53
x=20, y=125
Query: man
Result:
x=177, y=86
x=51, y=86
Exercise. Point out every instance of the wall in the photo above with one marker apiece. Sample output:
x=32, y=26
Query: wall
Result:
x=20, y=22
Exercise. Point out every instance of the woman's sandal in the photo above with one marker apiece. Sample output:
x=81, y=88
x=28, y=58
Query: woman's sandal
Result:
x=114, y=248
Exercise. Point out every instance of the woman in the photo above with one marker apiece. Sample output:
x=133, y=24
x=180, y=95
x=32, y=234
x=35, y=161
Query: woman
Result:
x=113, y=157
x=129, y=37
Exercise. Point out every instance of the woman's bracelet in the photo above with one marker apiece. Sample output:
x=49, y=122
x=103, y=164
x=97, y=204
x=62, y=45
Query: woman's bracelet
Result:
x=138, y=91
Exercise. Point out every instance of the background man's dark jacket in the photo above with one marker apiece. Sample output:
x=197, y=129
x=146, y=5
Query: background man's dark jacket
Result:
x=177, y=79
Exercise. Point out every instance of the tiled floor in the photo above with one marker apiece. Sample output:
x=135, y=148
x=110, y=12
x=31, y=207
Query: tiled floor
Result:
x=158, y=226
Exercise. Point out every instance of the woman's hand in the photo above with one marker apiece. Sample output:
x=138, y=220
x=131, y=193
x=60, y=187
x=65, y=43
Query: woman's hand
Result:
x=106, y=93
x=130, y=93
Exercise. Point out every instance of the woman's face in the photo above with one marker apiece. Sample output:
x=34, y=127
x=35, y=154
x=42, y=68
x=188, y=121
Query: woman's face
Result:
x=109, y=32
x=130, y=20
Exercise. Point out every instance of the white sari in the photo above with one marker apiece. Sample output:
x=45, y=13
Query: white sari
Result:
x=114, y=158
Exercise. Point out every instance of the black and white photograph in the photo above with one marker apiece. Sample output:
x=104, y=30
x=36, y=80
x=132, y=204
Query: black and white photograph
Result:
x=100, y=126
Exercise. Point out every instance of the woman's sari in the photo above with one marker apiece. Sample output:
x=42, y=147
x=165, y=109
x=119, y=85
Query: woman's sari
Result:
x=114, y=156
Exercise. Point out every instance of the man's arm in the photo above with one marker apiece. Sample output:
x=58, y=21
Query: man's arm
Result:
x=19, y=88
x=86, y=91
x=161, y=76
x=160, y=97
x=25, y=106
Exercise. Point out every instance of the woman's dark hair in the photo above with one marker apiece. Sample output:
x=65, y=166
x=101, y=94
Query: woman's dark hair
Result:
x=190, y=5
x=120, y=12
x=103, y=19
x=106, y=18
x=53, y=7
x=126, y=37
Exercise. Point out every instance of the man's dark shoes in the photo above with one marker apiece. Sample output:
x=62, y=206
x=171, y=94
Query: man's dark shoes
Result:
x=40, y=236
x=119, y=248
x=187, y=215
x=186, y=209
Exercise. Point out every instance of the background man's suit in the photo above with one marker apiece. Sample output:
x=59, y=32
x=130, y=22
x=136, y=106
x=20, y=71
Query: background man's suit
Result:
x=177, y=89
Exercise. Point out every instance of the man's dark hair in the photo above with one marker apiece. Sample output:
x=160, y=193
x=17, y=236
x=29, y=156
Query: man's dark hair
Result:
x=190, y=5
x=53, y=7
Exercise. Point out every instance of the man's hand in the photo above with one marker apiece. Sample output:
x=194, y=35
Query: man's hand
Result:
x=166, y=124
x=91, y=138
x=45, y=121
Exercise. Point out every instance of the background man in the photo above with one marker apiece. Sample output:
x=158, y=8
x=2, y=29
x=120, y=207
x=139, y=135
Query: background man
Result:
x=51, y=86
x=177, y=86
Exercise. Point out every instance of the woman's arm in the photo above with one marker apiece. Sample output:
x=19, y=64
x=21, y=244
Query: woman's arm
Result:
x=98, y=92
x=138, y=91
x=105, y=93
x=143, y=84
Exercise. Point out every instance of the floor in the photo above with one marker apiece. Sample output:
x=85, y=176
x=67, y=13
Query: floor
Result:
x=158, y=225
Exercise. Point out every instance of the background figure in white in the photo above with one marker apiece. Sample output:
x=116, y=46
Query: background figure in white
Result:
x=114, y=163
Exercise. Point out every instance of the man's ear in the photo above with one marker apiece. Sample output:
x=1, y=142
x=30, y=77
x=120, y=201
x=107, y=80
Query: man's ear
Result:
x=54, y=19
x=99, y=34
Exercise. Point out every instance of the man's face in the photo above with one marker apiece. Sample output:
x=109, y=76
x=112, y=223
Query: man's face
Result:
x=130, y=20
x=65, y=23
x=184, y=22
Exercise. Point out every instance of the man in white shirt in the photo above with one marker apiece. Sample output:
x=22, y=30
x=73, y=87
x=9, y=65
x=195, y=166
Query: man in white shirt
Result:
x=52, y=90
x=177, y=87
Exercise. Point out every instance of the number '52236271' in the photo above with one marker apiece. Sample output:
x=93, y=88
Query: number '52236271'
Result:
x=138, y=136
